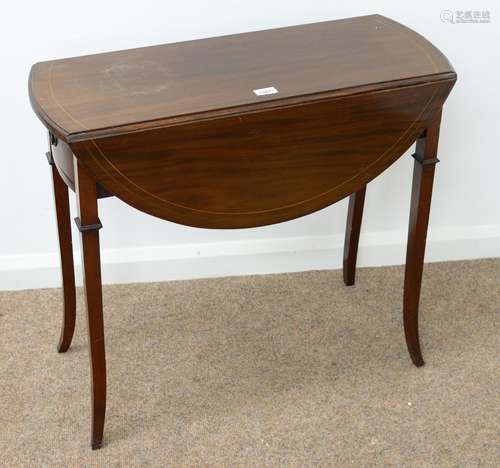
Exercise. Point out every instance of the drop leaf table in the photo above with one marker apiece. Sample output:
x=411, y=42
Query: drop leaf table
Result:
x=236, y=132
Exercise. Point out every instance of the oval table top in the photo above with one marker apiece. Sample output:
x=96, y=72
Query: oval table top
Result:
x=114, y=93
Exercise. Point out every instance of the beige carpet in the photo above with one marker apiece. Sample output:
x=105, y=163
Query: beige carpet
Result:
x=279, y=370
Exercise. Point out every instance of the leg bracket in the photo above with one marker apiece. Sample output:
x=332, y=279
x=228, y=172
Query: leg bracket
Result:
x=49, y=157
x=424, y=162
x=88, y=227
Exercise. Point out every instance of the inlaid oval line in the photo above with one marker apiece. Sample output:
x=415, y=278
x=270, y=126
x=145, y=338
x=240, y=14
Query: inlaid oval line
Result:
x=116, y=170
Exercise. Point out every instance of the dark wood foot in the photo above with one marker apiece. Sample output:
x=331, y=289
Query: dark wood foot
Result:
x=423, y=177
x=88, y=223
x=353, y=227
x=61, y=199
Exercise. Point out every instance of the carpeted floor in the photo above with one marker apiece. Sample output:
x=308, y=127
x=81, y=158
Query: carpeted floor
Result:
x=279, y=370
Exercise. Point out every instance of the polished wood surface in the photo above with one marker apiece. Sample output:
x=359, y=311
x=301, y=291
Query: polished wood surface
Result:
x=423, y=178
x=151, y=87
x=353, y=96
x=61, y=200
x=177, y=132
x=88, y=216
x=352, y=231
x=62, y=156
x=267, y=167
x=326, y=134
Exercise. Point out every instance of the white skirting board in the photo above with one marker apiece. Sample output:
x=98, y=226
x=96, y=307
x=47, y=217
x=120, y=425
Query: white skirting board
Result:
x=275, y=255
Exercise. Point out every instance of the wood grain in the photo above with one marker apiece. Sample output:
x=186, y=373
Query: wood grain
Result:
x=423, y=178
x=116, y=92
x=61, y=201
x=265, y=167
x=353, y=228
x=86, y=191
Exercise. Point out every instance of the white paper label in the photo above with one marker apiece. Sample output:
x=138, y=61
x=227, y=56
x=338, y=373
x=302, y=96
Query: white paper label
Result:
x=265, y=91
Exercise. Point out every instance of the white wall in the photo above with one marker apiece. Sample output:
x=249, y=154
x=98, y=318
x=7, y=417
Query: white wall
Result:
x=465, y=219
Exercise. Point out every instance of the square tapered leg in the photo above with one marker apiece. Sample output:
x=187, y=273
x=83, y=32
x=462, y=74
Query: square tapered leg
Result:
x=423, y=178
x=88, y=223
x=61, y=199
